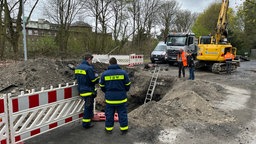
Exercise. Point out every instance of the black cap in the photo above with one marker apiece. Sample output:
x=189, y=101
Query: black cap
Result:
x=87, y=56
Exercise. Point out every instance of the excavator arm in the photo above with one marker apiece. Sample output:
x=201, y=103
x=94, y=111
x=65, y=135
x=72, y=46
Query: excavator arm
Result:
x=221, y=29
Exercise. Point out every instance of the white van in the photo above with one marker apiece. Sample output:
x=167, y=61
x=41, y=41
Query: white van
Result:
x=159, y=53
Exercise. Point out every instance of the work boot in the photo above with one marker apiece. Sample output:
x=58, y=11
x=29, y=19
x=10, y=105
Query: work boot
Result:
x=108, y=131
x=90, y=126
x=124, y=132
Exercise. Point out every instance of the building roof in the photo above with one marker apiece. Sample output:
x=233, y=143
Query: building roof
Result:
x=80, y=24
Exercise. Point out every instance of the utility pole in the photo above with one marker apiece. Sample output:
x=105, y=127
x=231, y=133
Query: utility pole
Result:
x=24, y=32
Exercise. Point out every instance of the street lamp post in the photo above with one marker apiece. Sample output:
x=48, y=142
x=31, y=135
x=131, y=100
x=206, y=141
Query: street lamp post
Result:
x=24, y=32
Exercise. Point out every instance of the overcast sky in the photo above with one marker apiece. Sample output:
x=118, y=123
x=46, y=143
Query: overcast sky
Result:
x=201, y=5
x=192, y=5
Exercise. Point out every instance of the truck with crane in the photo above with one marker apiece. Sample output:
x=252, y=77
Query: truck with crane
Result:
x=212, y=49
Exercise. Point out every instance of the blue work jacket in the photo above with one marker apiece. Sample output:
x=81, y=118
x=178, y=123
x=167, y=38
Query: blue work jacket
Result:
x=115, y=82
x=86, y=79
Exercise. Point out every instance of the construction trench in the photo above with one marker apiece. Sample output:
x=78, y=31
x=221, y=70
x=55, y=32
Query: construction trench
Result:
x=211, y=109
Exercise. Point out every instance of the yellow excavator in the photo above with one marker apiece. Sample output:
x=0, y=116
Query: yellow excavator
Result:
x=212, y=49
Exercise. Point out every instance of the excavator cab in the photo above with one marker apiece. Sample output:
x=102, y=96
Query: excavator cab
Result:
x=205, y=40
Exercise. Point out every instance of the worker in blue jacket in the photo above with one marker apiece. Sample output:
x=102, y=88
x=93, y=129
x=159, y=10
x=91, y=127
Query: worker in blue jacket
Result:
x=115, y=82
x=86, y=79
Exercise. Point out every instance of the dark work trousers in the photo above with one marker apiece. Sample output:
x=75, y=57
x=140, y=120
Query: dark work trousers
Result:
x=122, y=115
x=228, y=66
x=191, y=73
x=88, y=110
x=181, y=68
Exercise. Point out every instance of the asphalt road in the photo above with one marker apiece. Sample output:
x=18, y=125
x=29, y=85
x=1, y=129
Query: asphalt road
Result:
x=75, y=134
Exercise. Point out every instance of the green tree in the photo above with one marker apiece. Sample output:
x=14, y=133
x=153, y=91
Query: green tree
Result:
x=249, y=13
x=206, y=21
x=236, y=29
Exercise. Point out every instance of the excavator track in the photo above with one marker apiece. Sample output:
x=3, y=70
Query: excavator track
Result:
x=221, y=67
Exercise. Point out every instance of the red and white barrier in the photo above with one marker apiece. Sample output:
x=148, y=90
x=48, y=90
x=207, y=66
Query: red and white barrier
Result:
x=132, y=59
x=39, y=112
x=136, y=59
x=4, y=129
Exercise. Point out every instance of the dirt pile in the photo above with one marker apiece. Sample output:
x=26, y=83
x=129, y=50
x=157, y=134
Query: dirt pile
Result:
x=188, y=100
x=34, y=74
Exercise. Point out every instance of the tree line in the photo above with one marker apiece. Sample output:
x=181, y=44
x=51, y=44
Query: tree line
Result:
x=136, y=26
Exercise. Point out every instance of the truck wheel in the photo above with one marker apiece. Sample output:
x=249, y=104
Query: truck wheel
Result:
x=152, y=61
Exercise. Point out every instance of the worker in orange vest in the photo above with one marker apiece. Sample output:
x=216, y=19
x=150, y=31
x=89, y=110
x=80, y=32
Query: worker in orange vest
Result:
x=228, y=58
x=182, y=62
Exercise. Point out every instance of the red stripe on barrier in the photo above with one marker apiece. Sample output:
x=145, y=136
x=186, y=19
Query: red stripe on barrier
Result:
x=52, y=96
x=3, y=142
x=1, y=106
x=68, y=119
x=81, y=115
x=33, y=101
x=67, y=93
x=53, y=125
x=17, y=138
x=34, y=132
x=15, y=105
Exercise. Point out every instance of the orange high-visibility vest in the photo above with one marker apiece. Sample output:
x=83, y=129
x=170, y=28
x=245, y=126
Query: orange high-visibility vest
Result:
x=228, y=56
x=183, y=58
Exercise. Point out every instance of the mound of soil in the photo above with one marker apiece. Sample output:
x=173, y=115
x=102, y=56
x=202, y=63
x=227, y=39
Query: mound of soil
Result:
x=34, y=74
x=187, y=100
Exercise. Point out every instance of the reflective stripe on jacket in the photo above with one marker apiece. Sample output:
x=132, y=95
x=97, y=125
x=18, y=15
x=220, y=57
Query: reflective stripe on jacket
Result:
x=115, y=83
x=86, y=79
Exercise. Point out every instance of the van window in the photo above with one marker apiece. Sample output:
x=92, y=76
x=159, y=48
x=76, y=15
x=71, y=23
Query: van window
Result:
x=160, y=48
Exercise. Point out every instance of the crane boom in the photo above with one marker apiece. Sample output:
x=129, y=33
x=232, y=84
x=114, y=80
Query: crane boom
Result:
x=222, y=22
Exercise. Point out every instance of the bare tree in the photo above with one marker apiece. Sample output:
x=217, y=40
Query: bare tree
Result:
x=167, y=13
x=104, y=14
x=92, y=7
x=142, y=13
x=63, y=13
x=150, y=14
x=13, y=21
x=133, y=7
x=2, y=30
x=120, y=24
x=184, y=20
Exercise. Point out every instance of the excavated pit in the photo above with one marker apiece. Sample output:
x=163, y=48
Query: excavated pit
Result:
x=140, y=79
x=162, y=87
